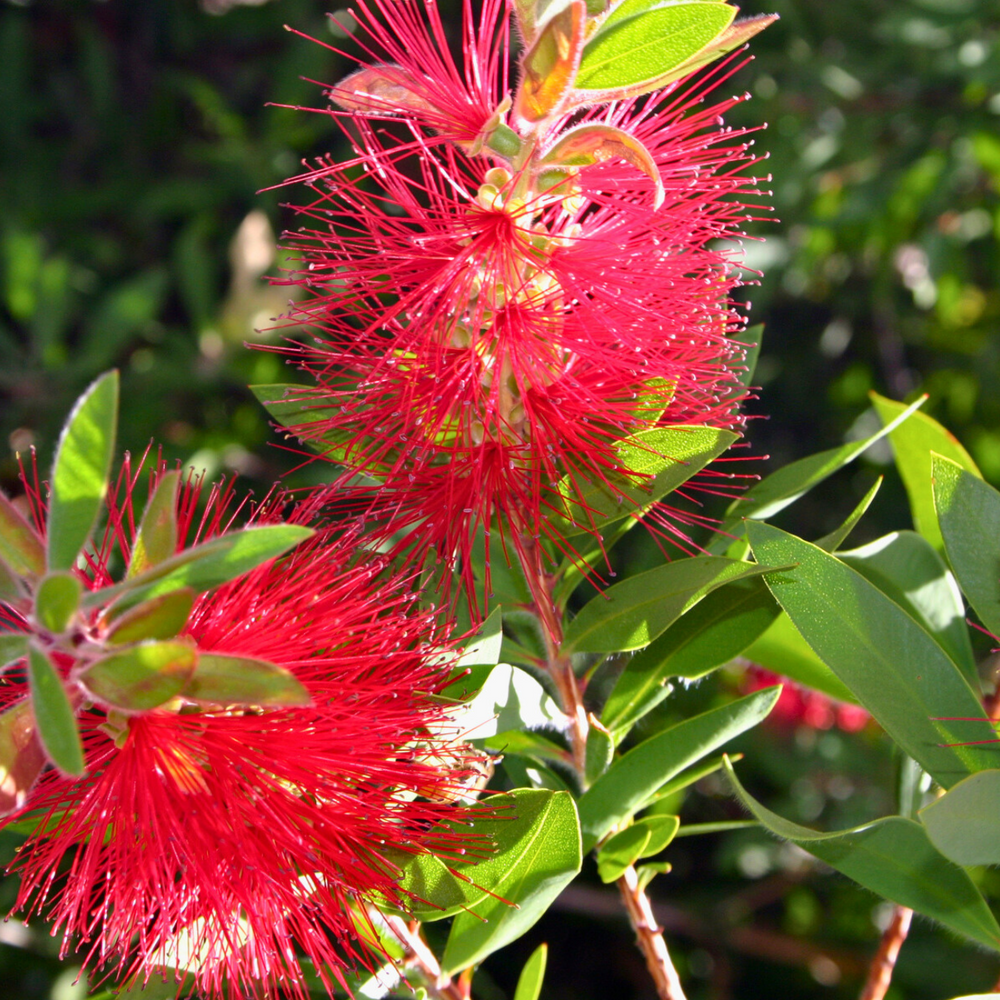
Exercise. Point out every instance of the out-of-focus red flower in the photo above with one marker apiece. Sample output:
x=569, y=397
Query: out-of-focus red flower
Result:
x=230, y=840
x=800, y=706
x=484, y=329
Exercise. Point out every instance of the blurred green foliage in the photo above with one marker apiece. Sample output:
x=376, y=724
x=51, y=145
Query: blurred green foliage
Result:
x=134, y=137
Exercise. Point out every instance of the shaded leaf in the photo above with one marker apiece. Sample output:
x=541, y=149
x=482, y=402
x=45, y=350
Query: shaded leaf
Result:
x=631, y=614
x=689, y=776
x=969, y=516
x=752, y=338
x=833, y=541
x=80, y=471
x=634, y=777
x=243, y=680
x=893, y=858
x=711, y=633
x=141, y=677
x=57, y=600
x=905, y=567
x=600, y=751
x=484, y=648
x=892, y=665
x=13, y=647
x=20, y=547
x=536, y=867
x=156, y=540
x=963, y=823
x=159, y=618
x=620, y=851
x=646, y=873
x=912, y=443
x=21, y=757
x=55, y=719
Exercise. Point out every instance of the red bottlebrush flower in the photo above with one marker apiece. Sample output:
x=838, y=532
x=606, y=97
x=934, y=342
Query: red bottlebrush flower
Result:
x=230, y=839
x=484, y=330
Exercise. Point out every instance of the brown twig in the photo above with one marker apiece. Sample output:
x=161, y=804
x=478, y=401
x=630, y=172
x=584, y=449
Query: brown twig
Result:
x=419, y=956
x=880, y=971
x=650, y=937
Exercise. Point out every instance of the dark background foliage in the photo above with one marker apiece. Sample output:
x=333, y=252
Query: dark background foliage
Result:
x=135, y=137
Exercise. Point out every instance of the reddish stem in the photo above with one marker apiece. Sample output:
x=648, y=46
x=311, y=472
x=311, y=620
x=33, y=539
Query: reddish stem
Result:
x=880, y=971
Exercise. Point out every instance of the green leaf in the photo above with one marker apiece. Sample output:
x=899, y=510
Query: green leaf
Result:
x=160, y=618
x=969, y=516
x=894, y=667
x=484, y=649
x=204, y=566
x=21, y=757
x=54, y=716
x=662, y=830
x=20, y=547
x=646, y=873
x=13, y=647
x=964, y=824
x=634, y=777
x=510, y=699
x=666, y=457
x=905, y=567
x=156, y=540
x=833, y=541
x=689, y=776
x=714, y=631
x=57, y=600
x=913, y=443
x=525, y=744
x=725, y=826
x=894, y=859
x=80, y=471
x=639, y=44
x=631, y=614
x=782, y=488
x=243, y=680
x=11, y=585
x=600, y=751
x=536, y=866
x=620, y=851
x=141, y=677
x=529, y=983
x=295, y=407
x=752, y=338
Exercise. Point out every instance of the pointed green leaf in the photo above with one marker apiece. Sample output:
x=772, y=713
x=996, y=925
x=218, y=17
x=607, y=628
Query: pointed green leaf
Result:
x=620, y=851
x=631, y=614
x=662, y=830
x=297, y=408
x=20, y=547
x=894, y=666
x=160, y=618
x=243, y=680
x=156, y=540
x=529, y=983
x=782, y=650
x=646, y=873
x=782, y=488
x=894, y=859
x=833, y=541
x=600, y=751
x=689, y=776
x=57, y=600
x=536, y=867
x=484, y=649
x=638, y=44
x=526, y=744
x=912, y=444
x=204, y=566
x=80, y=471
x=666, y=457
x=905, y=567
x=634, y=777
x=714, y=631
x=13, y=647
x=21, y=757
x=964, y=824
x=54, y=716
x=969, y=516
x=141, y=677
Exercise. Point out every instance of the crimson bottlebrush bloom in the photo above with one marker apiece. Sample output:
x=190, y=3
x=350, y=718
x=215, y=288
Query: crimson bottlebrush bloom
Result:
x=484, y=329
x=228, y=840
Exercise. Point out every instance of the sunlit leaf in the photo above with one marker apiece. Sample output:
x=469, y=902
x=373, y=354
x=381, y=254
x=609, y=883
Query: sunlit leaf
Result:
x=57, y=600
x=243, y=680
x=529, y=983
x=20, y=547
x=159, y=618
x=141, y=677
x=156, y=540
x=55, y=719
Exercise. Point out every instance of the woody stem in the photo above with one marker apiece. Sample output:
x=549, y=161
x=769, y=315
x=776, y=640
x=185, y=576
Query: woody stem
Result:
x=648, y=935
x=880, y=970
x=419, y=956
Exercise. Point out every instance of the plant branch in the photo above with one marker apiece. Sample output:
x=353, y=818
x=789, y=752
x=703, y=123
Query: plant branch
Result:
x=880, y=971
x=419, y=956
x=649, y=937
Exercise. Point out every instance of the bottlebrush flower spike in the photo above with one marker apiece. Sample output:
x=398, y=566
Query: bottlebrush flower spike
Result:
x=228, y=839
x=489, y=324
